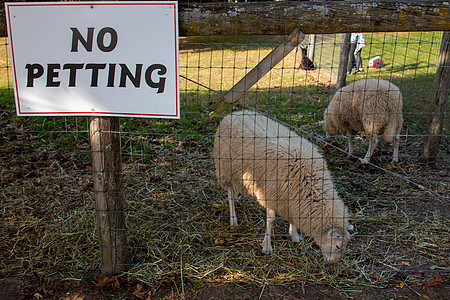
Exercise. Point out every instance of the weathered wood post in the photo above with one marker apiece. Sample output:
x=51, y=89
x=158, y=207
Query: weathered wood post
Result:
x=311, y=46
x=258, y=72
x=439, y=99
x=343, y=60
x=108, y=193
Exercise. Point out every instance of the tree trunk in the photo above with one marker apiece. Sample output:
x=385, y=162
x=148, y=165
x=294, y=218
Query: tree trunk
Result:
x=343, y=60
x=439, y=99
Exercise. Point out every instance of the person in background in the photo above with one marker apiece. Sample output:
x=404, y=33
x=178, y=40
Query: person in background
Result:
x=357, y=42
x=352, y=62
x=360, y=43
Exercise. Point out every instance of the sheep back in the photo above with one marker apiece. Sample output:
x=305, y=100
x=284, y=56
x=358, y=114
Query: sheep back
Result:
x=259, y=157
x=370, y=105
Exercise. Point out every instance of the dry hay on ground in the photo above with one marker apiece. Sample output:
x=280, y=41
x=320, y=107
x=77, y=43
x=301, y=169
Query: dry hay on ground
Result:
x=175, y=213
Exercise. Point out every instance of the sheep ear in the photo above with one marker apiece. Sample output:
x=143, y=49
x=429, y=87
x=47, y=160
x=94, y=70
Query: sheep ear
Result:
x=333, y=233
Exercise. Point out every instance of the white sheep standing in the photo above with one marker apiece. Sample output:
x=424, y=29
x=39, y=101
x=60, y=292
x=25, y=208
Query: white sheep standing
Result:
x=286, y=174
x=370, y=105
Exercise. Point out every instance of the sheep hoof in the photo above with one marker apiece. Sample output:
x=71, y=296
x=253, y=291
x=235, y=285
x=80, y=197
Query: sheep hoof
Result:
x=364, y=161
x=267, y=251
x=295, y=238
x=233, y=221
x=394, y=160
x=267, y=247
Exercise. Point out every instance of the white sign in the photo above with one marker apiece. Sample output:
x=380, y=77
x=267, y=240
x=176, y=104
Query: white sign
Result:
x=95, y=58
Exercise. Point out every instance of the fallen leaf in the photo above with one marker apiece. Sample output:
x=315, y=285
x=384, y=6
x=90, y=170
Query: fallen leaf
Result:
x=220, y=241
x=425, y=296
x=434, y=281
x=107, y=280
x=75, y=296
x=117, y=283
x=140, y=293
x=38, y=296
x=401, y=284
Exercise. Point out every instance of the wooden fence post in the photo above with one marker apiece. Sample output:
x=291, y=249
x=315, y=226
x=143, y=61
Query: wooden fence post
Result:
x=439, y=100
x=108, y=193
x=343, y=60
x=311, y=46
x=258, y=72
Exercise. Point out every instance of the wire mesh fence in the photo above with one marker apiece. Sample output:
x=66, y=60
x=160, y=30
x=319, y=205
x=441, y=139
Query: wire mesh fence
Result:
x=178, y=216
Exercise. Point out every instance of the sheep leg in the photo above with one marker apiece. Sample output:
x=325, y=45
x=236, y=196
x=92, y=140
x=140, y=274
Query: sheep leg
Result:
x=373, y=142
x=295, y=238
x=350, y=142
x=396, y=146
x=233, y=217
x=267, y=242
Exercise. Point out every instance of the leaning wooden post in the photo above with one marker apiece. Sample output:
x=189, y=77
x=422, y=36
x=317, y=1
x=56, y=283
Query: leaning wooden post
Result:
x=439, y=99
x=258, y=72
x=108, y=193
x=343, y=60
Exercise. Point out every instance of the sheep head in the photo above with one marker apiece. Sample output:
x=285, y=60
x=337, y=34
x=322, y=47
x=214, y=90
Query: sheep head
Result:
x=333, y=244
x=329, y=124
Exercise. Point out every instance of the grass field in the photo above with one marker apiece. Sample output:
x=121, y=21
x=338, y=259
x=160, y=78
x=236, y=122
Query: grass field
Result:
x=175, y=211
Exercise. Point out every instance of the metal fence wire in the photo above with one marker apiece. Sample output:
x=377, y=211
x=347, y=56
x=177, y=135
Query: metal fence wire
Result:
x=390, y=221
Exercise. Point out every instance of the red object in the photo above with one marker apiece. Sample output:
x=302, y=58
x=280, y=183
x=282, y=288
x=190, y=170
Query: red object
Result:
x=376, y=62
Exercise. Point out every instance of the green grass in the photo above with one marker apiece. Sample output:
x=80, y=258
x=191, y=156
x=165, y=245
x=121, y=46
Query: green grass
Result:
x=219, y=62
x=293, y=96
x=410, y=63
x=5, y=65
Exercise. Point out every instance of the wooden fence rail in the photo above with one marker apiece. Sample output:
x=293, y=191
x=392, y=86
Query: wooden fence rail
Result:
x=283, y=17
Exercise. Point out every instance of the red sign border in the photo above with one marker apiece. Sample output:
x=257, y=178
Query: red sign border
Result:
x=90, y=113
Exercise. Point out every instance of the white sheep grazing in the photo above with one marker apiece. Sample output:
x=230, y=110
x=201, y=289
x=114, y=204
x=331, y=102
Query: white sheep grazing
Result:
x=370, y=105
x=286, y=174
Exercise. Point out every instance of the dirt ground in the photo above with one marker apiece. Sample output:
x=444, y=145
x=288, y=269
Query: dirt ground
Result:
x=117, y=288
